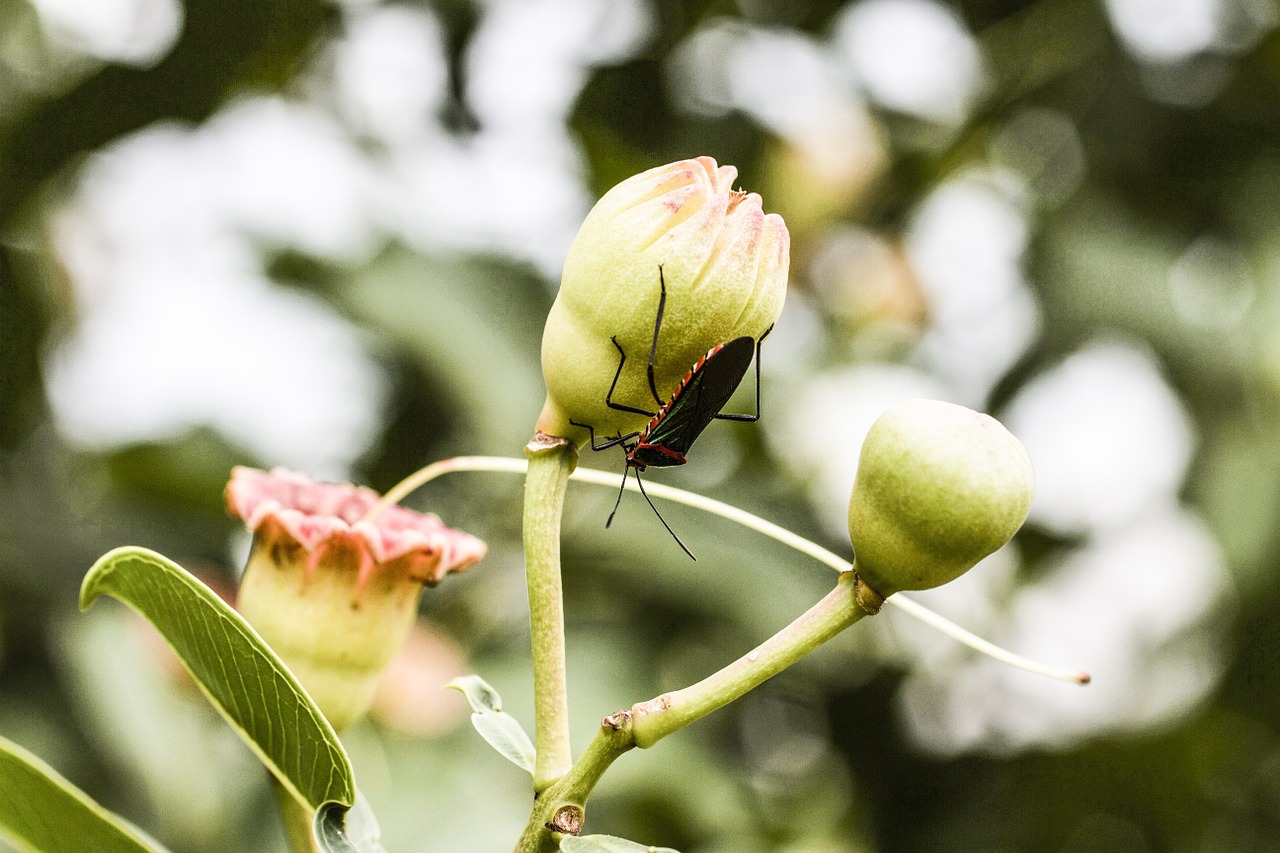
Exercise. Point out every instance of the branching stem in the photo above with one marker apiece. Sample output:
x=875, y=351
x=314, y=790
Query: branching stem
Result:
x=840, y=608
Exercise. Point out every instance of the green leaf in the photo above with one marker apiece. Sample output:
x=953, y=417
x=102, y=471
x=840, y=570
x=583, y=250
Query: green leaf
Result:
x=504, y=734
x=44, y=813
x=501, y=730
x=482, y=698
x=606, y=844
x=355, y=830
x=236, y=669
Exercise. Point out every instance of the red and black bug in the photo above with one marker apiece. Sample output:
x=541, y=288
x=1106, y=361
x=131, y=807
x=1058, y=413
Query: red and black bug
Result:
x=693, y=405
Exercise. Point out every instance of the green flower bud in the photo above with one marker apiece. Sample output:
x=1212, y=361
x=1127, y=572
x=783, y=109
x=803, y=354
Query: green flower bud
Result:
x=331, y=591
x=938, y=488
x=724, y=262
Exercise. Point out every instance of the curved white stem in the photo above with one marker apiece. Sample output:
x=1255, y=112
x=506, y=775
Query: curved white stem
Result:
x=746, y=519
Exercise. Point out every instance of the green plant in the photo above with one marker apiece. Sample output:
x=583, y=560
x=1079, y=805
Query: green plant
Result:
x=335, y=572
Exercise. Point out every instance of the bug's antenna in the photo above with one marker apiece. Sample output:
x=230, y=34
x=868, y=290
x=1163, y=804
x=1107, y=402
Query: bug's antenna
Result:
x=679, y=542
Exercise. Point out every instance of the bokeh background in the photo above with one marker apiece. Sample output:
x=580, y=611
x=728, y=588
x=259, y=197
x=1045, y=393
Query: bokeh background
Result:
x=325, y=235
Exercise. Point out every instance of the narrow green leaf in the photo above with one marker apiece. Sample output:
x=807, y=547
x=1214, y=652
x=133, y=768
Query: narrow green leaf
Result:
x=499, y=729
x=355, y=830
x=44, y=813
x=236, y=669
x=606, y=844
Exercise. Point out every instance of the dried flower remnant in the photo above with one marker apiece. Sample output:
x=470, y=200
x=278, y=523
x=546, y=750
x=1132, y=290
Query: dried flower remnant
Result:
x=333, y=592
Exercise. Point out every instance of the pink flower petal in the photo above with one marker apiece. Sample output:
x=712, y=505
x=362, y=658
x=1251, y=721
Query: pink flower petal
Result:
x=320, y=516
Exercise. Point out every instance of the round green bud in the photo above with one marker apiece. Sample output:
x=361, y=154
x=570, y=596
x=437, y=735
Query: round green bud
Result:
x=724, y=262
x=938, y=488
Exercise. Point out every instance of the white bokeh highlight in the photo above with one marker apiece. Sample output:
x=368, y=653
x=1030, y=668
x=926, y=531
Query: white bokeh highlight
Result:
x=131, y=32
x=827, y=417
x=789, y=83
x=389, y=75
x=514, y=185
x=966, y=243
x=1107, y=436
x=1166, y=30
x=179, y=326
x=913, y=56
x=1138, y=603
x=163, y=239
x=1139, y=609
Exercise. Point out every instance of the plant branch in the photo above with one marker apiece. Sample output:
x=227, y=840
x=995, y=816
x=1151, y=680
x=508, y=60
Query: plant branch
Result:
x=840, y=608
x=561, y=808
x=551, y=460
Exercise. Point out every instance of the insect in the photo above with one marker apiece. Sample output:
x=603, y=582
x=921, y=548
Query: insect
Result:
x=693, y=405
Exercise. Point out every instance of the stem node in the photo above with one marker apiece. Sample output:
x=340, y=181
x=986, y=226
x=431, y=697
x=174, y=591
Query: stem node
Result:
x=542, y=442
x=568, y=819
x=867, y=598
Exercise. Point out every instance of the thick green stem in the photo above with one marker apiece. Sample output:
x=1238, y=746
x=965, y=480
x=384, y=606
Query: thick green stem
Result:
x=561, y=808
x=551, y=460
x=844, y=605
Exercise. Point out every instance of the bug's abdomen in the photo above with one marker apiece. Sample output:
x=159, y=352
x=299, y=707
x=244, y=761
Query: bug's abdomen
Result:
x=654, y=455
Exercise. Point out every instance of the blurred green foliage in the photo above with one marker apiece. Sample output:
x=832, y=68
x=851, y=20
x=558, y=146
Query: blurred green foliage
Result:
x=820, y=760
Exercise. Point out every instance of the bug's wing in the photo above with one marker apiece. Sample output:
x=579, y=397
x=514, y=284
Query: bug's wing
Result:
x=702, y=394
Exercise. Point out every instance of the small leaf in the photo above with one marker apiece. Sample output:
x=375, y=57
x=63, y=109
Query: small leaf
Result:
x=606, y=844
x=236, y=669
x=504, y=734
x=44, y=812
x=480, y=695
x=499, y=729
x=341, y=830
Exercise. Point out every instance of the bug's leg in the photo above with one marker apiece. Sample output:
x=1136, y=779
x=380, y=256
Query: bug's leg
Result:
x=608, y=398
x=626, y=469
x=657, y=326
x=679, y=542
x=613, y=442
x=755, y=417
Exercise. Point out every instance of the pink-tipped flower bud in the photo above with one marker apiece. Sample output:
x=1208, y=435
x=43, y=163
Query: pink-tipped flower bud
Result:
x=938, y=488
x=332, y=590
x=725, y=264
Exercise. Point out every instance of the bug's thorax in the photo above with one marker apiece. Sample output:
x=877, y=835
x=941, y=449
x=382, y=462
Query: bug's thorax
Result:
x=666, y=407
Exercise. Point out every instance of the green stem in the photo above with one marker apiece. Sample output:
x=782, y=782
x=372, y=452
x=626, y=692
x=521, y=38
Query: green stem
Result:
x=561, y=808
x=843, y=606
x=551, y=460
x=296, y=819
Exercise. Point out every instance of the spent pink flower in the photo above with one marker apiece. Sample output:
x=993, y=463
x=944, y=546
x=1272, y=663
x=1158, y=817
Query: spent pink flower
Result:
x=329, y=520
x=333, y=579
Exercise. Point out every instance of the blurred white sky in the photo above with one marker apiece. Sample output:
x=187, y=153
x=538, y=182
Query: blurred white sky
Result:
x=163, y=236
x=179, y=326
